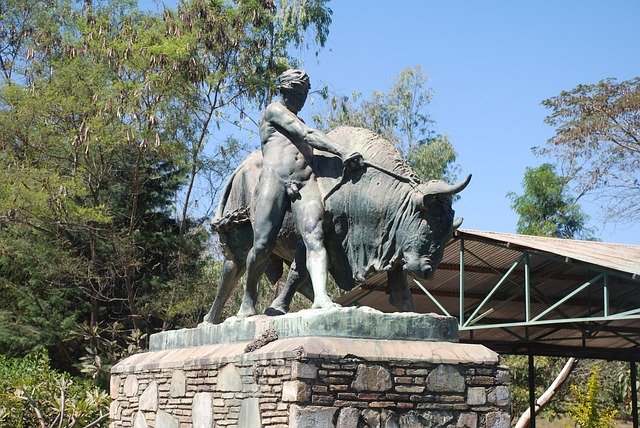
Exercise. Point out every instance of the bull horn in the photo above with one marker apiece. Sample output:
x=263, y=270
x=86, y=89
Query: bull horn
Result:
x=439, y=187
x=457, y=222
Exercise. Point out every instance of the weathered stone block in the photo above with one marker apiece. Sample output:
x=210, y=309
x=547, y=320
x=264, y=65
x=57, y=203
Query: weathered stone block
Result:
x=371, y=418
x=372, y=378
x=303, y=371
x=149, y=398
x=348, y=418
x=419, y=419
x=476, y=396
x=498, y=420
x=131, y=386
x=249, y=416
x=139, y=420
x=468, y=420
x=295, y=391
x=500, y=396
x=178, y=384
x=166, y=420
x=229, y=379
x=445, y=378
x=312, y=417
x=416, y=389
x=389, y=419
x=115, y=410
x=114, y=385
x=502, y=375
x=202, y=410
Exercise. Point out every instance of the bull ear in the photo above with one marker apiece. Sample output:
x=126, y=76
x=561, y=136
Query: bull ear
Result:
x=439, y=187
x=417, y=200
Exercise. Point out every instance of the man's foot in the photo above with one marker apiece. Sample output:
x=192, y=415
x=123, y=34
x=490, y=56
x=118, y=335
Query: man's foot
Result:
x=325, y=303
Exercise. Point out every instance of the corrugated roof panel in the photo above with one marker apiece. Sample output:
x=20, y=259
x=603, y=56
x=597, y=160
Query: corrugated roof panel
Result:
x=625, y=258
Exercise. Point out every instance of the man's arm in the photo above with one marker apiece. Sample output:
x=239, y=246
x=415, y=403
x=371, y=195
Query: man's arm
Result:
x=285, y=119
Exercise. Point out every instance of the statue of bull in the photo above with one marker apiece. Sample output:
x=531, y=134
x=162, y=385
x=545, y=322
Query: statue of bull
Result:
x=381, y=218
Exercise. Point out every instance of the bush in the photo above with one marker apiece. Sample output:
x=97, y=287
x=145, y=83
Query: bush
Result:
x=33, y=394
x=588, y=410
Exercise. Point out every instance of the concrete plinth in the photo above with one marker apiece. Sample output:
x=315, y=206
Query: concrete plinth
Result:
x=279, y=378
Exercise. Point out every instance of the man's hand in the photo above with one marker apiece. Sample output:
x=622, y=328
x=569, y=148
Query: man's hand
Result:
x=353, y=162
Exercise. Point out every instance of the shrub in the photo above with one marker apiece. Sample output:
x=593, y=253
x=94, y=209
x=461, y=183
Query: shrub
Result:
x=32, y=394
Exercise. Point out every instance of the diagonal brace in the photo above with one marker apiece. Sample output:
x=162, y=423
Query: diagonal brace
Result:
x=433, y=299
x=471, y=319
x=568, y=296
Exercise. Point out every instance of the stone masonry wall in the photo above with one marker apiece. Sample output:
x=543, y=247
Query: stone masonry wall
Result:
x=356, y=393
x=300, y=389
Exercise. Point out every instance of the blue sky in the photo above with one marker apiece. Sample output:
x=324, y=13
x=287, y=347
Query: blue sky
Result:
x=491, y=63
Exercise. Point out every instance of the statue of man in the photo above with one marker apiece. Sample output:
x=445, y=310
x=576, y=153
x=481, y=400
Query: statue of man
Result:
x=287, y=181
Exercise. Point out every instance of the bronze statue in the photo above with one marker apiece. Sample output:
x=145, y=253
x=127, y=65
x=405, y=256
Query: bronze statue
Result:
x=380, y=218
x=287, y=182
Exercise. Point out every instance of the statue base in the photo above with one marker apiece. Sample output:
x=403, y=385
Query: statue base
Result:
x=281, y=378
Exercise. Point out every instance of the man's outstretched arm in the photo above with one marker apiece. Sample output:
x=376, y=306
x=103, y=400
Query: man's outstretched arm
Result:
x=285, y=119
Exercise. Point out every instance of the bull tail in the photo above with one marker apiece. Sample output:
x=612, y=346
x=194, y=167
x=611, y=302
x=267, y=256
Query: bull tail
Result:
x=225, y=194
x=222, y=222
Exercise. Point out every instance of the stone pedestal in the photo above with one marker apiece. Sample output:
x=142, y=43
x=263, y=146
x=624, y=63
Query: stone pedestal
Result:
x=348, y=367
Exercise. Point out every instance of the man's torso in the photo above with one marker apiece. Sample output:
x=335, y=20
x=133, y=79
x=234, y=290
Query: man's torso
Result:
x=289, y=155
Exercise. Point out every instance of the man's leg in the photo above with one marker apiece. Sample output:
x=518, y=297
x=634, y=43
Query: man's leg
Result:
x=308, y=213
x=269, y=214
x=297, y=275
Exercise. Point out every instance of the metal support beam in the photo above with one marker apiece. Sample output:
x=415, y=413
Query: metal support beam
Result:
x=605, y=295
x=527, y=288
x=532, y=392
x=634, y=393
x=492, y=292
x=461, y=316
x=433, y=299
x=568, y=296
x=552, y=321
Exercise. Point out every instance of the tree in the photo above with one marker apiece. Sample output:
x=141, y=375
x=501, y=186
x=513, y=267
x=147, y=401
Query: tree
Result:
x=545, y=208
x=400, y=116
x=587, y=409
x=105, y=112
x=597, y=143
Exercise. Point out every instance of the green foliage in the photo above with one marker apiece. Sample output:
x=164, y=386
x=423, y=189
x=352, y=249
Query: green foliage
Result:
x=400, y=116
x=104, y=347
x=546, y=370
x=545, y=209
x=587, y=409
x=32, y=394
x=597, y=142
x=623, y=389
x=111, y=122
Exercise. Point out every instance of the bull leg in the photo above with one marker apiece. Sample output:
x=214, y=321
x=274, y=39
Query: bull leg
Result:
x=298, y=275
x=274, y=269
x=399, y=290
x=231, y=273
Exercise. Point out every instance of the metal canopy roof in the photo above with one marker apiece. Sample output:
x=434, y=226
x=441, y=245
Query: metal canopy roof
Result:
x=520, y=294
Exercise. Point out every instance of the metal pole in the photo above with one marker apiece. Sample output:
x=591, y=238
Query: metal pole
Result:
x=532, y=392
x=461, y=316
x=605, y=297
x=634, y=394
x=527, y=288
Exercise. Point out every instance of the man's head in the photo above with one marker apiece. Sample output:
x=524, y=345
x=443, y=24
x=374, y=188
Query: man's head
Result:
x=294, y=86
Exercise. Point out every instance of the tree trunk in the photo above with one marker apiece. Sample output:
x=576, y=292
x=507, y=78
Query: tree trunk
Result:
x=545, y=398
